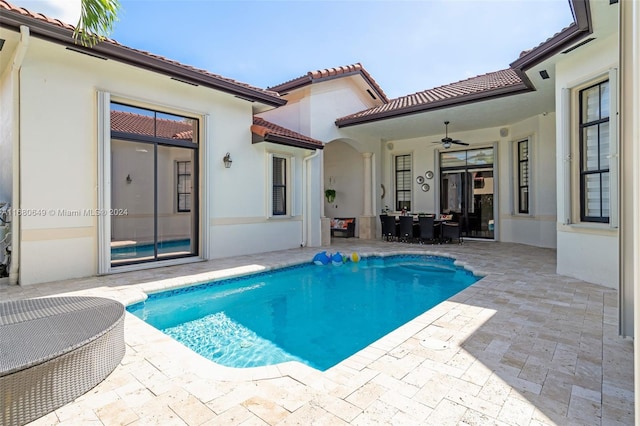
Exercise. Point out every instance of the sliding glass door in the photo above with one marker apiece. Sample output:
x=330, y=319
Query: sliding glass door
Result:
x=154, y=191
x=467, y=190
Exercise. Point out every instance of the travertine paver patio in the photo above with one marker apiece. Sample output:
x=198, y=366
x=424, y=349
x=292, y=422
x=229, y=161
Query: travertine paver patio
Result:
x=523, y=346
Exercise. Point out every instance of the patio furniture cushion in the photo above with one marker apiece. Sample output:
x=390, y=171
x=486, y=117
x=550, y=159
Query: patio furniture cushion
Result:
x=345, y=226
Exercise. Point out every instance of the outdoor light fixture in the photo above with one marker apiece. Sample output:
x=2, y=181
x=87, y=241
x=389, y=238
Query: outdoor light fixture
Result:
x=227, y=160
x=129, y=180
x=544, y=74
x=446, y=144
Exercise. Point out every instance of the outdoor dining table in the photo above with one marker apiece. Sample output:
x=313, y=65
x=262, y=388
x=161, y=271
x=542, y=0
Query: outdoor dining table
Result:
x=416, y=226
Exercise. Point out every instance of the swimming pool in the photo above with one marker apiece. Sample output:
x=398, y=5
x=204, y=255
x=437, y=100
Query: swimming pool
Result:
x=317, y=315
x=146, y=250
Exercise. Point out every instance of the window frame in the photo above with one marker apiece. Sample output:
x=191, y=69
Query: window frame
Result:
x=288, y=164
x=519, y=161
x=404, y=172
x=179, y=207
x=157, y=140
x=582, y=171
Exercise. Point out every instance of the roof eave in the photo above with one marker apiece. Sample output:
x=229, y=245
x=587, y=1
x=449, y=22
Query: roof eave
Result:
x=308, y=80
x=283, y=140
x=292, y=85
x=581, y=28
x=128, y=56
x=444, y=103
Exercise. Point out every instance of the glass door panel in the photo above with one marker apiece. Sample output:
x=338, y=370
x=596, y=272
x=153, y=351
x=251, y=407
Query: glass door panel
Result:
x=480, y=221
x=132, y=202
x=176, y=207
x=452, y=194
x=467, y=194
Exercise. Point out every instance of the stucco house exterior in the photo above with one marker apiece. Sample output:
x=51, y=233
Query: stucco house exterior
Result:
x=115, y=159
x=115, y=119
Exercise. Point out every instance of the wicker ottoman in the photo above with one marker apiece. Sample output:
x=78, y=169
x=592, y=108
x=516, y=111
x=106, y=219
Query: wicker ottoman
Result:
x=53, y=350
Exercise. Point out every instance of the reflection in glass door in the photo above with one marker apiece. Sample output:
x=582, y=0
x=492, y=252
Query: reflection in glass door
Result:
x=154, y=189
x=467, y=191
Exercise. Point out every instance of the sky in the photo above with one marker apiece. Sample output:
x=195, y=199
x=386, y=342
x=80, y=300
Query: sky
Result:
x=407, y=46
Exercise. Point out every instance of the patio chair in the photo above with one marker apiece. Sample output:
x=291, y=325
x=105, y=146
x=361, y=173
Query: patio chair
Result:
x=406, y=228
x=427, y=231
x=388, y=227
x=451, y=232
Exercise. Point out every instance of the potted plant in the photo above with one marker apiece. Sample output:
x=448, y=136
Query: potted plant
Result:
x=330, y=194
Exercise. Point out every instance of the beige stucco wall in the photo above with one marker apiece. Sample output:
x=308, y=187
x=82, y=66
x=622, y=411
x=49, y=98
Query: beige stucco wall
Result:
x=587, y=251
x=343, y=171
x=59, y=160
x=538, y=227
x=312, y=111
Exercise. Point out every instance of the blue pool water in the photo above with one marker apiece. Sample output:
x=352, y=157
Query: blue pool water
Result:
x=317, y=315
x=146, y=250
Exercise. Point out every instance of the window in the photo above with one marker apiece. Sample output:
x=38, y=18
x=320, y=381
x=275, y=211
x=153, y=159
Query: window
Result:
x=594, y=153
x=403, y=182
x=183, y=189
x=523, y=176
x=279, y=186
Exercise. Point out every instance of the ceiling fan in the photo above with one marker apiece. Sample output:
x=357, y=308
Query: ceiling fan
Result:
x=447, y=141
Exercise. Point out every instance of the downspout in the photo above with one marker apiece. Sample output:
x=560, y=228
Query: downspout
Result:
x=16, y=66
x=306, y=184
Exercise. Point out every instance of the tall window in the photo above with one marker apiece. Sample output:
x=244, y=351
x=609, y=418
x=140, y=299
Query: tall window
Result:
x=523, y=176
x=183, y=189
x=594, y=153
x=403, y=182
x=279, y=190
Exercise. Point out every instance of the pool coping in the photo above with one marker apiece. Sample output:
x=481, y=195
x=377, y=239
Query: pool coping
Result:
x=205, y=368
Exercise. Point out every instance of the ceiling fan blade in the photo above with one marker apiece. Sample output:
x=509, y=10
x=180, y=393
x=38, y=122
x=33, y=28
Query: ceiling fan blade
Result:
x=459, y=142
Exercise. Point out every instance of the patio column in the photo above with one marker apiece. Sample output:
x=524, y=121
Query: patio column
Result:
x=367, y=224
x=368, y=183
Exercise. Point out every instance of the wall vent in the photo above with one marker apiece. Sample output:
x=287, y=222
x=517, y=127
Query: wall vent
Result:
x=582, y=43
x=86, y=52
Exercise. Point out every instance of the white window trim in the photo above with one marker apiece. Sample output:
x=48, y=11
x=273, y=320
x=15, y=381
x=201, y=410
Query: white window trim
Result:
x=393, y=178
x=571, y=152
x=289, y=192
x=104, y=187
x=515, y=174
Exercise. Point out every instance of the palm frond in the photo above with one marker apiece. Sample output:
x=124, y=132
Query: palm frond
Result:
x=97, y=18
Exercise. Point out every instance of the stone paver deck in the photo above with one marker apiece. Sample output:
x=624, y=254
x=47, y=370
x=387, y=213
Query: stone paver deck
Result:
x=522, y=346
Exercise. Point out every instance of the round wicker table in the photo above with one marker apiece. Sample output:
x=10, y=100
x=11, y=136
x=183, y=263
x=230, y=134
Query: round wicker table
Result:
x=52, y=350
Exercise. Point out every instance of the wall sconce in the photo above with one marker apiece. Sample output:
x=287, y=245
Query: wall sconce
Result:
x=129, y=180
x=227, y=160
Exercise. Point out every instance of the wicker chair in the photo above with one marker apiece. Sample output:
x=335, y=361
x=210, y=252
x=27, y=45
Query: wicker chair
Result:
x=451, y=232
x=427, y=231
x=406, y=229
x=388, y=227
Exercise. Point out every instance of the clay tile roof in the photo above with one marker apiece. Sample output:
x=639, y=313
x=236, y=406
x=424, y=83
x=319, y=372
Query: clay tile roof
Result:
x=476, y=88
x=329, y=73
x=54, y=29
x=128, y=122
x=265, y=131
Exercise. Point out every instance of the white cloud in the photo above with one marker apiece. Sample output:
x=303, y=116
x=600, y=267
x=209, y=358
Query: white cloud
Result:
x=65, y=10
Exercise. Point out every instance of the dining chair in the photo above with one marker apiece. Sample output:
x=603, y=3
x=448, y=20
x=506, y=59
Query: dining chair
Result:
x=427, y=231
x=451, y=232
x=388, y=227
x=406, y=228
